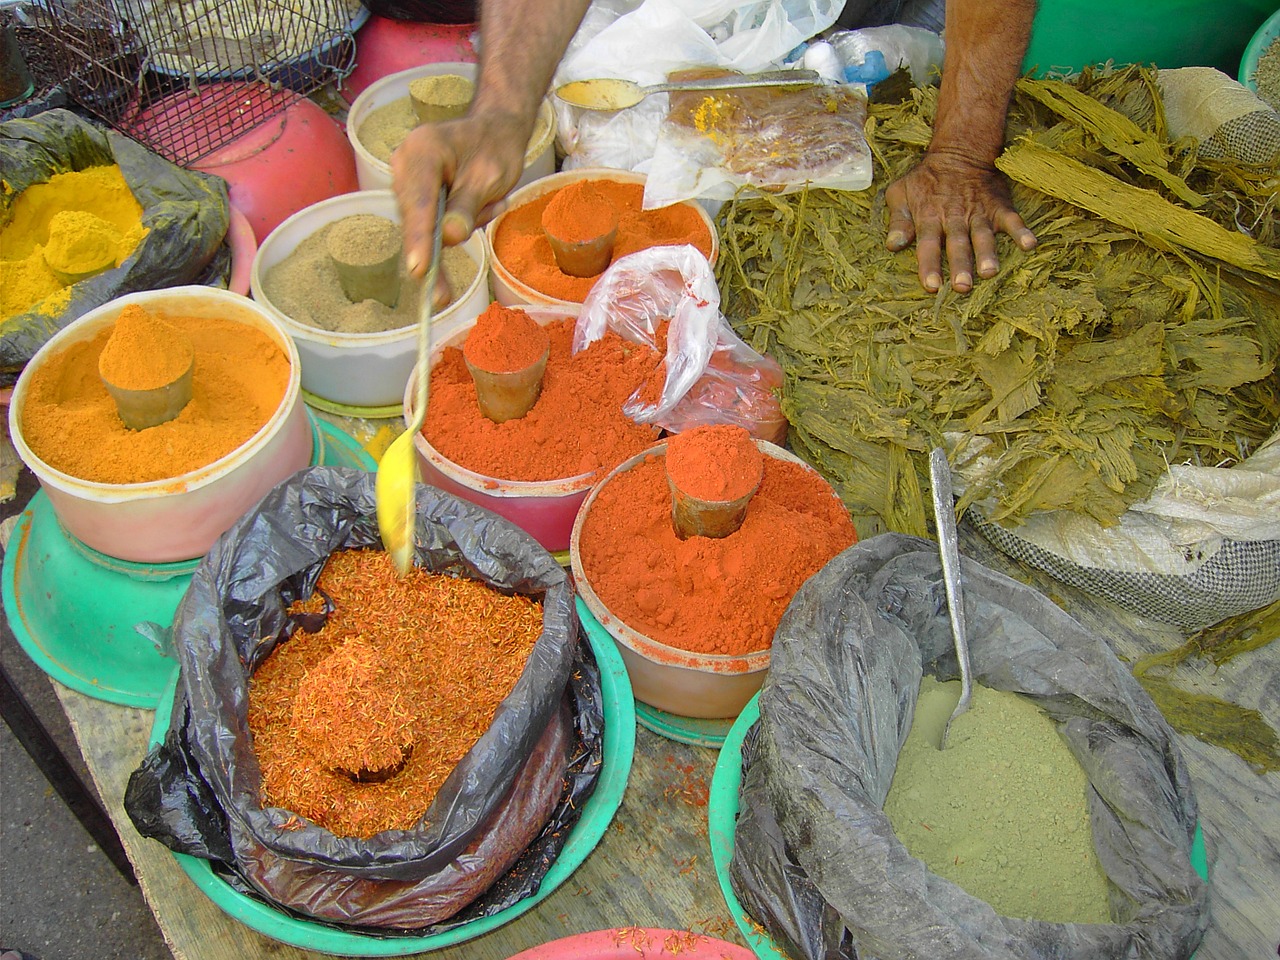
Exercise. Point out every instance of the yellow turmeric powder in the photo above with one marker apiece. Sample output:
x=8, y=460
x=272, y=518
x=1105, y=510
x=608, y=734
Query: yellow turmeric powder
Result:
x=34, y=226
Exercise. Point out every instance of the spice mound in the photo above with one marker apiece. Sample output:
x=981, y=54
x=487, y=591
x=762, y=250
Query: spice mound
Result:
x=144, y=352
x=576, y=427
x=1001, y=811
x=579, y=212
x=441, y=665
x=520, y=242
x=385, y=128
x=77, y=222
x=714, y=463
x=305, y=286
x=70, y=421
x=504, y=340
x=720, y=596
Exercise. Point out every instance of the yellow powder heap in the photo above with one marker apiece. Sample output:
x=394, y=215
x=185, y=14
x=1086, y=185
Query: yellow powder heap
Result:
x=82, y=243
x=25, y=277
x=144, y=352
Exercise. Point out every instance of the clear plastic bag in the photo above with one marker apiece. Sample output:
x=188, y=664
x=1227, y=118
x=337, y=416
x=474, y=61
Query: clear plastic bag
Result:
x=710, y=376
x=776, y=140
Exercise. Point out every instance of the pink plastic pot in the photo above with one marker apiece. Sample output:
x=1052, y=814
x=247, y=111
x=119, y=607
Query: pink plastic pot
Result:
x=636, y=943
x=244, y=247
x=385, y=46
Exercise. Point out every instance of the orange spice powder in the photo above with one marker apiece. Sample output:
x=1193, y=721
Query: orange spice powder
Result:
x=521, y=246
x=70, y=421
x=505, y=339
x=144, y=352
x=713, y=596
x=716, y=463
x=579, y=212
x=454, y=650
x=577, y=425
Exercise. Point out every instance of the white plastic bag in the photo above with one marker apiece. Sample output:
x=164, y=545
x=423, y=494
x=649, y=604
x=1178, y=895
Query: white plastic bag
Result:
x=710, y=375
x=645, y=41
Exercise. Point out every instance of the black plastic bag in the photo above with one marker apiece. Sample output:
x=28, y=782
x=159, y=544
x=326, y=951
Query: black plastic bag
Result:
x=186, y=213
x=817, y=862
x=201, y=784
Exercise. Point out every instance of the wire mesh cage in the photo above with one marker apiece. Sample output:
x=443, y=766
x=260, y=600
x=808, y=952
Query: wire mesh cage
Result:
x=186, y=77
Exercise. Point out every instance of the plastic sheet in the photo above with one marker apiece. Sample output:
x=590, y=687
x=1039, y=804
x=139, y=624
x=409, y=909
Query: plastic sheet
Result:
x=712, y=376
x=198, y=791
x=186, y=213
x=817, y=862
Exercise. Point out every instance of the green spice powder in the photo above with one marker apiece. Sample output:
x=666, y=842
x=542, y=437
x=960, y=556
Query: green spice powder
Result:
x=1001, y=811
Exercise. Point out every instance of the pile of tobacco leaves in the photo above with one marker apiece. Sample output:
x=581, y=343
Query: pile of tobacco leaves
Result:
x=1143, y=329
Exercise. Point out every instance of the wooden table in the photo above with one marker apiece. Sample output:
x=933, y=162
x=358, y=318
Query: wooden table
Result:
x=653, y=866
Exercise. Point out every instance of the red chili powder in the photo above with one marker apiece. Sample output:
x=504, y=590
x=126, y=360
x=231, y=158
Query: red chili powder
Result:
x=504, y=340
x=703, y=595
x=579, y=212
x=521, y=245
x=576, y=427
x=717, y=462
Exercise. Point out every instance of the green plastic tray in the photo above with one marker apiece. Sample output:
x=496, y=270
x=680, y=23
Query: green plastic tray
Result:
x=722, y=817
x=74, y=610
x=597, y=814
x=1267, y=33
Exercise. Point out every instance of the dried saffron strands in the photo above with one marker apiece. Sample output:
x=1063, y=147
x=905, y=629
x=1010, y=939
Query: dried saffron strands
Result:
x=404, y=671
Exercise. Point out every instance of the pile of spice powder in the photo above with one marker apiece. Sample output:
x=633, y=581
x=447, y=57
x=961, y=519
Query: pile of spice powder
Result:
x=456, y=648
x=709, y=596
x=576, y=427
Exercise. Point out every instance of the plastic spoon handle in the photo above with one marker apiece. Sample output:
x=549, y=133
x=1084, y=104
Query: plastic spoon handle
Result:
x=425, y=316
x=944, y=512
x=776, y=78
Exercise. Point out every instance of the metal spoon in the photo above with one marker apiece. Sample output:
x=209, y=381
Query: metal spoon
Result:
x=948, y=545
x=396, y=482
x=607, y=93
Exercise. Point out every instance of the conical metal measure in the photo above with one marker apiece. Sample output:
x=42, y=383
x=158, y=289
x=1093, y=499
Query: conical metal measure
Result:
x=948, y=545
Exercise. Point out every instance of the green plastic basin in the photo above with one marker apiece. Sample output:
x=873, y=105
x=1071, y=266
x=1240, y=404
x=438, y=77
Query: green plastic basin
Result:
x=597, y=814
x=1070, y=34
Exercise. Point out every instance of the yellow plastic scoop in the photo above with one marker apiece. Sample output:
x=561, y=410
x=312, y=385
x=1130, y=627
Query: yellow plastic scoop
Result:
x=607, y=93
x=396, y=482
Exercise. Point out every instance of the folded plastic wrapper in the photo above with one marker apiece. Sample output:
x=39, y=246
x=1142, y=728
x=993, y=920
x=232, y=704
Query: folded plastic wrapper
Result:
x=198, y=790
x=711, y=375
x=816, y=860
x=185, y=212
x=717, y=144
x=646, y=40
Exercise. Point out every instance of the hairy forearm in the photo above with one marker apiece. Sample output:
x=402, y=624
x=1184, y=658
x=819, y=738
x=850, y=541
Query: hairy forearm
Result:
x=521, y=42
x=986, y=42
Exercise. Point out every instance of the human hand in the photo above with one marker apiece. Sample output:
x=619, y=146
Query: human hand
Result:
x=478, y=159
x=953, y=200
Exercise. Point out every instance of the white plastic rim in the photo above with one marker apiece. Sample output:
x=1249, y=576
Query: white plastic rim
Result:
x=192, y=301
x=480, y=483
x=375, y=174
x=359, y=369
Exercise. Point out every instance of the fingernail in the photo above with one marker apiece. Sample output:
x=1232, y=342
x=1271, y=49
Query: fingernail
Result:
x=988, y=268
x=457, y=221
x=413, y=261
x=964, y=280
x=933, y=281
x=896, y=238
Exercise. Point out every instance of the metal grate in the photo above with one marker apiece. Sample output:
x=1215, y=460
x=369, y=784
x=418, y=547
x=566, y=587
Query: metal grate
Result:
x=186, y=77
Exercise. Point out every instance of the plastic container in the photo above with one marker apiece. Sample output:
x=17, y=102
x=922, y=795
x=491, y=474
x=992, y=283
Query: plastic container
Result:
x=244, y=247
x=509, y=290
x=366, y=370
x=385, y=46
x=177, y=518
x=543, y=508
x=1267, y=34
x=75, y=610
x=375, y=174
x=597, y=814
x=1067, y=35
x=722, y=821
x=634, y=943
x=675, y=681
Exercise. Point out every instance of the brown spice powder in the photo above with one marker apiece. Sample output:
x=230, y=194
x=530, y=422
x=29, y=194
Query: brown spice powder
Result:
x=455, y=648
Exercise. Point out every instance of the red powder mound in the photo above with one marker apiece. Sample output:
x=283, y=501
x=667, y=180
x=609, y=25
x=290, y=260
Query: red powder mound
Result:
x=717, y=596
x=579, y=212
x=576, y=427
x=505, y=340
x=716, y=463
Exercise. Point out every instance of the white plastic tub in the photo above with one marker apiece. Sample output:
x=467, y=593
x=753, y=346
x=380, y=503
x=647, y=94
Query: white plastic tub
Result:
x=375, y=174
x=177, y=518
x=360, y=369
